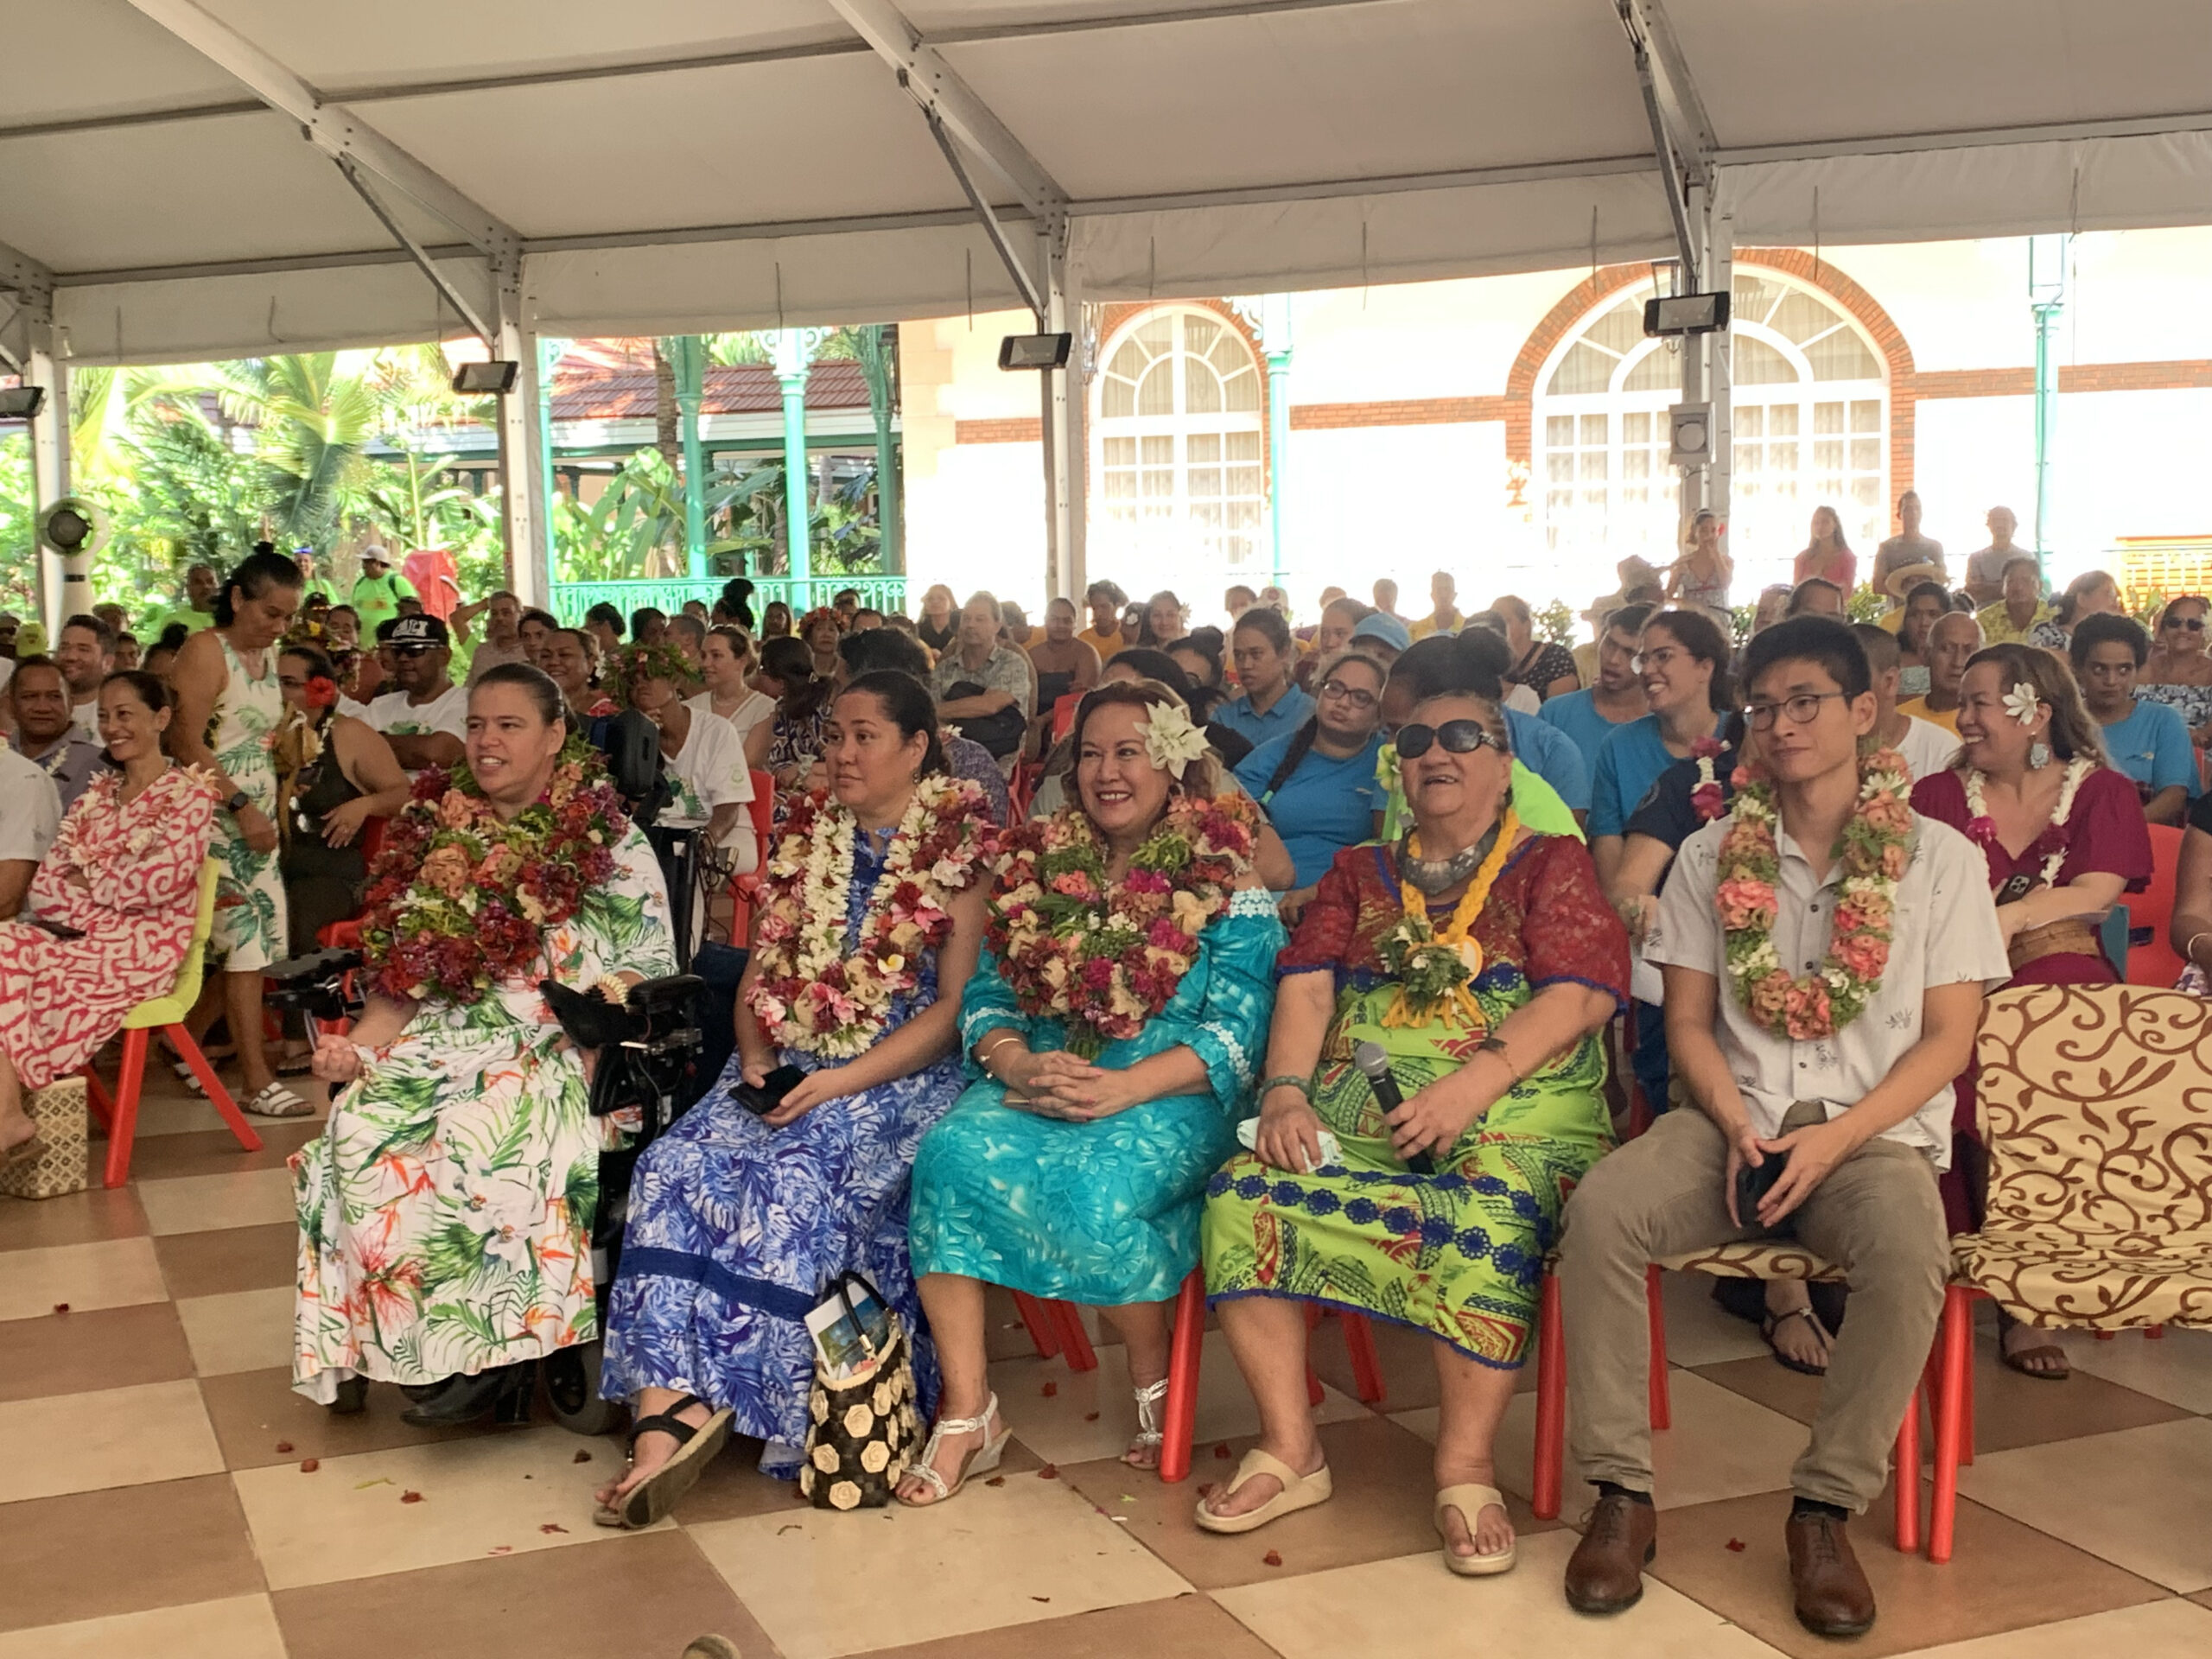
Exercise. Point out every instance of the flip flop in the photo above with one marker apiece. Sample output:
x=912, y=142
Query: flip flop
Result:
x=1299, y=1492
x=652, y=1498
x=1772, y=1322
x=278, y=1100
x=2015, y=1360
x=1471, y=1500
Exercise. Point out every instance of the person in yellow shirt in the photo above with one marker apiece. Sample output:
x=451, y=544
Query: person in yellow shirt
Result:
x=1105, y=634
x=2008, y=621
x=1955, y=637
x=1444, y=616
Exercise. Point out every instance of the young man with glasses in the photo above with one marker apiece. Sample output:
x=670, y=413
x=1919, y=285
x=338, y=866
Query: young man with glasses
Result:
x=426, y=720
x=1851, y=1096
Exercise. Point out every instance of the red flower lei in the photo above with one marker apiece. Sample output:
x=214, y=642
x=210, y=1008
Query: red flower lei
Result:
x=458, y=900
x=1106, y=957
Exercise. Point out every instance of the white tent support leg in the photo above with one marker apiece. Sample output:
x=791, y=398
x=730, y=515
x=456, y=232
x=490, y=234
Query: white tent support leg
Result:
x=64, y=587
x=1705, y=357
x=522, y=453
x=1065, y=397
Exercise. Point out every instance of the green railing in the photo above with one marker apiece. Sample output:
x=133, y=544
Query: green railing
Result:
x=572, y=598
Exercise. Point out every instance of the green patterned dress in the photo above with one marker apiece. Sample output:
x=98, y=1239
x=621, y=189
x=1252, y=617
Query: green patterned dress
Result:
x=1458, y=1254
x=446, y=1212
x=249, y=929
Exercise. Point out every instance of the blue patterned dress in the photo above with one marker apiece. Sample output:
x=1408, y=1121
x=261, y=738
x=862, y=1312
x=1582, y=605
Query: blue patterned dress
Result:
x=736, y=1229
x=1106, y=1212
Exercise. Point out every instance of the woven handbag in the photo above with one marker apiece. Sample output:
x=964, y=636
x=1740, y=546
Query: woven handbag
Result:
x=861, y=1427
x=62, y=1164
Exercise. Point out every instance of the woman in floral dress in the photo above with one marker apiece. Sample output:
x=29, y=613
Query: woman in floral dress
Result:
x=739, y=1223
x=229, y=705
x=446, y=1212
x=1111, y=1063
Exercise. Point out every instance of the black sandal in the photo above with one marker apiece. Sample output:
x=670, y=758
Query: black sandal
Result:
x=653, y=1497
x=2016, y=1359
x=1772, y=1322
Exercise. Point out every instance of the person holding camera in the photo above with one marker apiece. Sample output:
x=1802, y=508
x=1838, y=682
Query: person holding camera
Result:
x=795, y=1169
x=446, y=1210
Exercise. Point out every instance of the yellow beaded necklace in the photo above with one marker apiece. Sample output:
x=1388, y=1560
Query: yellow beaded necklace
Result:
x=1458, y=935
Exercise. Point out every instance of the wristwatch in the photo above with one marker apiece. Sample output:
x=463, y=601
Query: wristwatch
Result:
x=239, y=798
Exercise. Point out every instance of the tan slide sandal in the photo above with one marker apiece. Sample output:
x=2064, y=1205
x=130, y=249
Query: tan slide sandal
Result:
x=1299, y=1492
x=1471, y=1501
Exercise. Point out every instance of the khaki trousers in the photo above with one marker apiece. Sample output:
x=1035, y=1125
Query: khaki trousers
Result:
x=1878, y=1215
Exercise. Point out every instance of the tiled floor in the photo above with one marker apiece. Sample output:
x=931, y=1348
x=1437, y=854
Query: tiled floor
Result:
x=162, y=1491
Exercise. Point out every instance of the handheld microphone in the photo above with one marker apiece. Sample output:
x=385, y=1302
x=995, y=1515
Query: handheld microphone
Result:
x=1375, y=1066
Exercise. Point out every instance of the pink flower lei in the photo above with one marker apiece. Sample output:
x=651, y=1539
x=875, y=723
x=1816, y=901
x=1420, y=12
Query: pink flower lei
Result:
x=1877, y=848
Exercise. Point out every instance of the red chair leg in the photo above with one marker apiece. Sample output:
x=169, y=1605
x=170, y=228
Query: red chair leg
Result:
x=2154, y=1333
x=124, y=1124
x=97, y=1100
x=1043, y=1327
x=1549, y=1475
x=1906, y=1477
x=1181, y=1419
x=1957, y=1340
x=218, y=1096
x=1662, y=1404
x=1366, y=1367
x=1075, y=1341
x=1313, y=1393
x=1965, y=1402
x=2107, y=1335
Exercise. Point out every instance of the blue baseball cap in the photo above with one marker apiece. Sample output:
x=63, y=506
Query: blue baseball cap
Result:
x=1384, y=629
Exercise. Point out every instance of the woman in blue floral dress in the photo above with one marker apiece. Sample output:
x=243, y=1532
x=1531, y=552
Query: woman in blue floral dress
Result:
x=739, y=1223
x=1113, y=1028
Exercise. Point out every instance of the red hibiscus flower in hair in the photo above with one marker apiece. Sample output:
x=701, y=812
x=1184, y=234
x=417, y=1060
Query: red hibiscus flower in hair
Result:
x=322, y=691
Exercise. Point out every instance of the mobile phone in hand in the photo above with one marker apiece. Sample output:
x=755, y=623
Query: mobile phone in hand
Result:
x=770, y=1095
x=1754, y=1183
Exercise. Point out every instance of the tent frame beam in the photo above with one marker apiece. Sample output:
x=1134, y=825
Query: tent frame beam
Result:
x=427, y=265
x=1681, y=137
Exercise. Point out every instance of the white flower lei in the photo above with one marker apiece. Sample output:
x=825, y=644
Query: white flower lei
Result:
x=2076, y=770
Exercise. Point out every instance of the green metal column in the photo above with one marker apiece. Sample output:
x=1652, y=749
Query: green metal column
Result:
x=2047, y=257
x=876, y=364
x=1274, y=337
x=791, y=351
x=686, y=355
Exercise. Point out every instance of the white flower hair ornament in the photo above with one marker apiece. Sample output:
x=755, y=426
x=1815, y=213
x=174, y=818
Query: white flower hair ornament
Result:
x=1170, y=739
x=2022, y=703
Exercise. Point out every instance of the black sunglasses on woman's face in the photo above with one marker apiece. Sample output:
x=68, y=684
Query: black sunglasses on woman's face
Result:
x=2193, y=624
x=1457, y=737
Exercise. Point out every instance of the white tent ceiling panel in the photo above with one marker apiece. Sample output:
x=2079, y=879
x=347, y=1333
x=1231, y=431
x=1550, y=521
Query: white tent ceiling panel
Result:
x=95, y=58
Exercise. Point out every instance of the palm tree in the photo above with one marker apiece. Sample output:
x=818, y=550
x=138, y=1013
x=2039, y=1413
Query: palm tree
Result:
x=313, y=415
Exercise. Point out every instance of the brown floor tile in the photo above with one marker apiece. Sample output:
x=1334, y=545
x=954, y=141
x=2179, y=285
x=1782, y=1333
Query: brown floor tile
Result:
x=77, y=1219
x=253, y=1411
x=645, y=1596
x=1381, y=1508
x=1183, y=1627
x=216, y=1152
x=1408, y=1359
x=2202, y=1598
x=92, y=1553
x=229, y=1258
x=2003, y=1576
x=80, y=1353
x=2009, y=1410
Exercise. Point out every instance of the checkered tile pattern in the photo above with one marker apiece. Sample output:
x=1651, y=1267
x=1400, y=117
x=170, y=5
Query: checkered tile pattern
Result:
x=162, y=1491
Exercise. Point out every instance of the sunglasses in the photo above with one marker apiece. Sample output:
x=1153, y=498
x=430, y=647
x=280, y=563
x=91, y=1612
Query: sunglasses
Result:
x=1457, y=737
x=2193, y=624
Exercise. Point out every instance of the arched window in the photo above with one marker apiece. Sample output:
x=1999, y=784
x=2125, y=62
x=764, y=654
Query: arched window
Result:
x=1810, y=414
x=1181, y=455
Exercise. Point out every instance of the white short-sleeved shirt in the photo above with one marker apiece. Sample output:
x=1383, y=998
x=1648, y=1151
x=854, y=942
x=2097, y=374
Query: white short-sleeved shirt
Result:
x=747, y=714
x=1945, y=933
x=30, y=808
x=1927, y=747
x=393, y=715
x=85, y=717
x=708, y=771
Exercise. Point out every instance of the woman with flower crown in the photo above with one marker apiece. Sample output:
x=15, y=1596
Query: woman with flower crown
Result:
x=1478, y=962
x=1113, y=1029
x=2065, y=837
x=873, y=920
x=446, y=1210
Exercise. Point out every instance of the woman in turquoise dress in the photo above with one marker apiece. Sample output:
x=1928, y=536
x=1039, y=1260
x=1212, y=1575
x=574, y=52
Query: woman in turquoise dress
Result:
x=1111, y=1031
x=229, y=705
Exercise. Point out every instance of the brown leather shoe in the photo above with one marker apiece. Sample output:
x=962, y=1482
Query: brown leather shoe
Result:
x=1833, y=1598
x=1605, y=1574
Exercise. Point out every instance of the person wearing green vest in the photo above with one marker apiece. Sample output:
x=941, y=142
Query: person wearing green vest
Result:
x=378, y=593
x=198, y=611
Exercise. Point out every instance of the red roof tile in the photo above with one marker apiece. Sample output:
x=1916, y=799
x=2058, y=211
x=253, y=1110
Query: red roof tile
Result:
x=588, y=392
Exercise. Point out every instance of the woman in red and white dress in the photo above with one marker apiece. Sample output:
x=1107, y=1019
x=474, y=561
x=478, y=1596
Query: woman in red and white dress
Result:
x=111, y=906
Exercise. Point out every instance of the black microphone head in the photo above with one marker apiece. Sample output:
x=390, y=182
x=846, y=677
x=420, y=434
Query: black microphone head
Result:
x=1373, y=1063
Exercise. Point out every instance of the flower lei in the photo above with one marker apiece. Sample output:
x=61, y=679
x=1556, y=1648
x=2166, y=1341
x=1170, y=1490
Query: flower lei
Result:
x=1704, y=794
x=810, y=990
x=626, y=667
x=1876, y=849
x=1107, y=956
x=1981, y=829
x=1434, y=969
x=459, y=900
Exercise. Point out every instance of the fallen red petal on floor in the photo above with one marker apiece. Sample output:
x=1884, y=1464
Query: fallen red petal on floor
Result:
x=580, y=1457
x=1089, y=1416
x=61, y=1307
x=995, y=1480
x=500, y=1549
x=1737, y=1544
x=549, y=1527
x=1272, y=1558
x=410, y=1497
x=1222, y=1450
x=308, y=1466
x=283, y=1446
x=1050, y=1471
x=1051, y=1388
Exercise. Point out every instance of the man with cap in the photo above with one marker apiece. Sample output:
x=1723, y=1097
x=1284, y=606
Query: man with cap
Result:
x=426, y=720
x=378, y=593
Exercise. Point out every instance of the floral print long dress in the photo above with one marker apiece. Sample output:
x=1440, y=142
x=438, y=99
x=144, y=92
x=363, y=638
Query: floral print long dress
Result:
x=249, y=926
x=446, y=1212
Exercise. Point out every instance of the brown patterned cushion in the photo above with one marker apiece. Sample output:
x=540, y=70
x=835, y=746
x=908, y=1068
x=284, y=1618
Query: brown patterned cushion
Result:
x=2096, y=1107
x=1781, y=1258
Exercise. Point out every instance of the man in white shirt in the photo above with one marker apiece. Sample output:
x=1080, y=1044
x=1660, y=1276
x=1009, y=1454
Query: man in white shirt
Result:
x=427, y=719
x=30, y=812
x=1926, y=746
x=1860, y=1114
x=84, y=653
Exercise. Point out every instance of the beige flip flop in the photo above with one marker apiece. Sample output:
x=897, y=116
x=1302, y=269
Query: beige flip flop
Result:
x=1471, y=1500
x=1299, y=1492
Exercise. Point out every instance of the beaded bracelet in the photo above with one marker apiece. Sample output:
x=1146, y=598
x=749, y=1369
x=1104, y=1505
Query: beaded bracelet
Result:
x=1285, y=1080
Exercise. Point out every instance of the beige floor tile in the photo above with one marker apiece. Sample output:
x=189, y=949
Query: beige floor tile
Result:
x=240, y=1628
x=1415, y=1605
x=118, y=1437
x=200, y=1203
x=498, y=1492
x=216, y=1152
x=1721, y=1446
x=1699, y=1333
x=1182, y=1627
x=245, y=1330
x=2139, y=1498
x=2157, y=1629
x=112, y=1273
x=823, y=1583
x=177, y=1114
x=1054, y=1427
x=2176, y=1368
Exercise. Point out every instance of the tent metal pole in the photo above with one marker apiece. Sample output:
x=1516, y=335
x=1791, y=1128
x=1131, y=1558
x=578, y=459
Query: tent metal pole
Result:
x=424, y=263
x=522, y=446
x=2047, y=258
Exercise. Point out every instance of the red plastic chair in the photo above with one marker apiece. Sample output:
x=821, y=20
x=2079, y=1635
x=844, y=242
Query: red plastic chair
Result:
x=745, y=890
x=2153, y=960
x=1064, y=714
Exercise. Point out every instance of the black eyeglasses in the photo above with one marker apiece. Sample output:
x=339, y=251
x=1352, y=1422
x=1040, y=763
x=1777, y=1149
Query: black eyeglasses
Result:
x=1802, y=711
x=2193, y=624
x=1457, y=737
x=1357, y=697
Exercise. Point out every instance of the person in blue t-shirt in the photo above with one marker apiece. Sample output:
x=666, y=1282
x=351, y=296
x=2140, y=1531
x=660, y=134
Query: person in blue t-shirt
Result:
x=2146, y=740
x=1265, y=656
x=1543, y=748
x=1683, y=663
x=1590, y=716
x=1317, y=784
